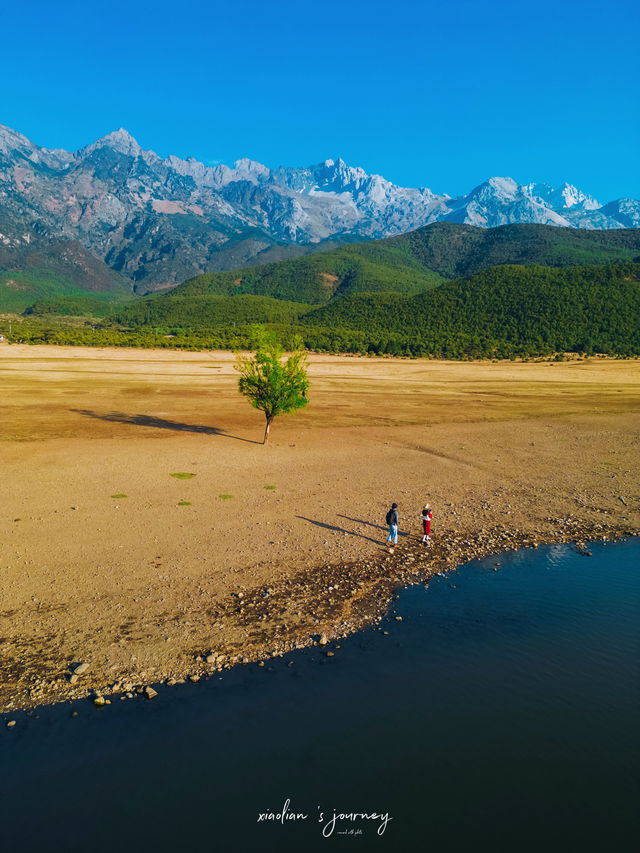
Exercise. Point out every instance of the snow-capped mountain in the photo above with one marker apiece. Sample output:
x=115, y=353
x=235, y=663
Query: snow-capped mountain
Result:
x=626, y=211
x=501, y=201
x=161, y=220
x=567, y=197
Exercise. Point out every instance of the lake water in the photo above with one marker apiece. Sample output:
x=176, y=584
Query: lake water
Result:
x=500, y=714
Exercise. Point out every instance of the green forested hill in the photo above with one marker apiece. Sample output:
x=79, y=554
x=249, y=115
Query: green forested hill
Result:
x=455, y=250
x=82, y=304
x=507, y=309
x=516, y=290
x=316, y=278
x=408, y=263
x=44, y=268
x=208, y=310
x=416, y=261
x=502, y=312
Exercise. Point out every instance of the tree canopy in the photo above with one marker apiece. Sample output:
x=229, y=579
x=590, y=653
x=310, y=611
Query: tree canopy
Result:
x=274, y=384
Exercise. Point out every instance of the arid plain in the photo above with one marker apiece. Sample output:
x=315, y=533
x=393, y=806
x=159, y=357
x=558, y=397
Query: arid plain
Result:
x=108, y=559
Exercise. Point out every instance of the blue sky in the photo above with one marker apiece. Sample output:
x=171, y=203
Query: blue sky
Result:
x=438, y=94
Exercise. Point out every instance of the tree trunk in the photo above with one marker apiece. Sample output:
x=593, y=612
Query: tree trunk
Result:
x=266, y=431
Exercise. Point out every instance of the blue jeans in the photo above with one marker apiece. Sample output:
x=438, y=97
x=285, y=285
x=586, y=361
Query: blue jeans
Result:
x=393, y=534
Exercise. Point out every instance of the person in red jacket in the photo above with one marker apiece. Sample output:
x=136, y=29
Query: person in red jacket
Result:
x=427, y=515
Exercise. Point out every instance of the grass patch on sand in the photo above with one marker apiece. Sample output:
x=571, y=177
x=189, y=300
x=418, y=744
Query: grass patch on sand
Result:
x=270, y=488
x=225, y=497
x=183, y=475
x=185, y=503
x=119, y=496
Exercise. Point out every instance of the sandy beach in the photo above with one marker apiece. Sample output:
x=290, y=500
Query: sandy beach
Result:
x=108, y=559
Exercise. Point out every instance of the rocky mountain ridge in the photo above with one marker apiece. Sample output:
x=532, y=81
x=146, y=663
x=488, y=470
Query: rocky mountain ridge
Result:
x=158, y=221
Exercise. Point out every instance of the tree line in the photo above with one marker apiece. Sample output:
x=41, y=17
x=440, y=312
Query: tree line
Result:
x=502, y=312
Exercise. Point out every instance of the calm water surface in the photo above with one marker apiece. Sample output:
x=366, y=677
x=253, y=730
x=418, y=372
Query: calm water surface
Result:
x=500, y=714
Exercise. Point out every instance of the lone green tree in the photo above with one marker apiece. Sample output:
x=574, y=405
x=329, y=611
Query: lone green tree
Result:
x=272, y=384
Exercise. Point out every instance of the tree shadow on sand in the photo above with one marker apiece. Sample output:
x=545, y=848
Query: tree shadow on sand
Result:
x=337, y=529
x=383, y=527
x=159, y=423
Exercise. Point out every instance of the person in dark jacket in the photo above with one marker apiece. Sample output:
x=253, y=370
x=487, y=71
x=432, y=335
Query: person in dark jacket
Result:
x=392, y=521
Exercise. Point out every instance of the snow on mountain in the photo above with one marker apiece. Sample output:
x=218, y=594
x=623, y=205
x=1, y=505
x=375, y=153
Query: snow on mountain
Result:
x=626, y=211
x=501, y=201
x=160, y=220
x=565, y=197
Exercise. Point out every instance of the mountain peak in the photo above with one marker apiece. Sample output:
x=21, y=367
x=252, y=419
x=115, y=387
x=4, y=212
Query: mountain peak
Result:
x=12, y=140
x=496, y=187
x=13, y=143
x=572, y=196
x=119, y=140
x=565, y=197
x=250, y=169
x=506, y=183
x=336, y=163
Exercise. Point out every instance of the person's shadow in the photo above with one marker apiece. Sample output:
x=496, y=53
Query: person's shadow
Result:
x=370, y=524
x=337, y=529
x=159, y=423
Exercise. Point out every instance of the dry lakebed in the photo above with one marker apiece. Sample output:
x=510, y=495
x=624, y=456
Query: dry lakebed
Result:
x=147, y=536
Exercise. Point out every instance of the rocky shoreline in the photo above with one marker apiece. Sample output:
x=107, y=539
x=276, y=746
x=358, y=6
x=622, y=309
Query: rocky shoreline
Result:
x=316, y=606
